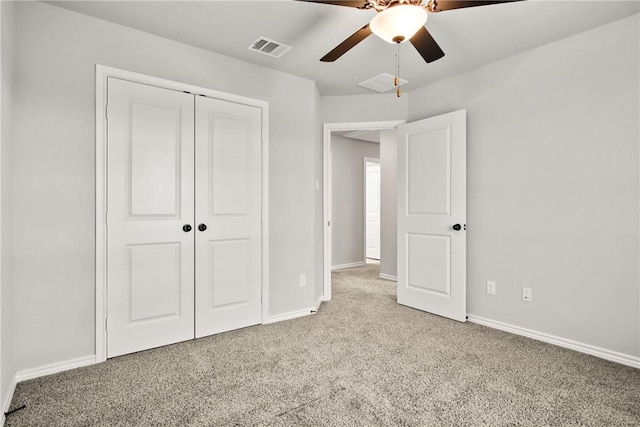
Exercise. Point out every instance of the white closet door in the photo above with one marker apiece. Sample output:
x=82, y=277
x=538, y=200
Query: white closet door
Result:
x=150, y=199
x=228, y=204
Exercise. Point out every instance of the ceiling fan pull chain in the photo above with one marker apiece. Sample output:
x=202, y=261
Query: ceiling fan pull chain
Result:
x=396, y=81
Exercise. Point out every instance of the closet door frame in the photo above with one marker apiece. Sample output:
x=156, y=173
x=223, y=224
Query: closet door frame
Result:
x=102, y=73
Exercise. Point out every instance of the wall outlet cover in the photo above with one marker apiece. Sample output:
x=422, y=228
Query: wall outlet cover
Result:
x=491, y=287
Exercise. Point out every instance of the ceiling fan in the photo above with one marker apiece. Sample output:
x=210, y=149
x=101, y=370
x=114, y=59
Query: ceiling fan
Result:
x=398, y=21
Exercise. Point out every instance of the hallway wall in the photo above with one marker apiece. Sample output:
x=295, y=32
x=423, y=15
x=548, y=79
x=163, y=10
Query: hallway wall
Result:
x=348, y=198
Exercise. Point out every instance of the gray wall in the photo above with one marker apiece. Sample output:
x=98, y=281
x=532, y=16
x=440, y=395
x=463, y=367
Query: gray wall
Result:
x=53, y=161
x=553, y=185
x=388, y=203
x=347, y=217
x=7, y=365
x=363, y=108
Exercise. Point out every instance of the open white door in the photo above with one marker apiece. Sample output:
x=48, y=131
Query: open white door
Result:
x=432, y=215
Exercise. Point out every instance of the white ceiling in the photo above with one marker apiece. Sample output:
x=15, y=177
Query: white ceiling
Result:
x=469, y=37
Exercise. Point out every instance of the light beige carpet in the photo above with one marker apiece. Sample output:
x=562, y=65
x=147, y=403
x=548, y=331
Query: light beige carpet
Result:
x=362, y=360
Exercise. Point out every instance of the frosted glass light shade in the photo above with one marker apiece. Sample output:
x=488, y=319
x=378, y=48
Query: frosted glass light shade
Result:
x=398, y=23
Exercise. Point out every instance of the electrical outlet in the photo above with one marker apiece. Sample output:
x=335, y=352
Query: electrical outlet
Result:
x=303, y=280
x=491, y=287
x=527, y=295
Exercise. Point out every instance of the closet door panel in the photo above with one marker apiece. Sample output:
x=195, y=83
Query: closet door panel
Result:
x=230, y=272
x=150, y=198
x=229, y=168
x=228, y=203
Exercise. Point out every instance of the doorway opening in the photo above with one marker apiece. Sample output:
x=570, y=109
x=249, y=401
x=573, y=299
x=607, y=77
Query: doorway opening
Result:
x=430, y=210
x=331, y=131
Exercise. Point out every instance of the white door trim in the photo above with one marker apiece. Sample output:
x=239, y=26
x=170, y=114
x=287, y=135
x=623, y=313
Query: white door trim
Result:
x=102, y=73
x=327, y=128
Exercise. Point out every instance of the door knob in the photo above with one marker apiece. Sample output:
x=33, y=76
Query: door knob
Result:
x=457, y=227
x=186, y=228
x=202, y=227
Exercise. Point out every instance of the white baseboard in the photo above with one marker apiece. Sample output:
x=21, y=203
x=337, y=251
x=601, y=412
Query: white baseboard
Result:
x=41, y=371
x=291, y=315
x=613, y=356
x=54, y=368
x=388, y=277
x=349, y=265
x=318, y=302
x=7, y=401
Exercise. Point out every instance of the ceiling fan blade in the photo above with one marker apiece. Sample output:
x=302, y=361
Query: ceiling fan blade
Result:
x=441, y=5
x=359, y=4
x=426, y=45
x=350, y=42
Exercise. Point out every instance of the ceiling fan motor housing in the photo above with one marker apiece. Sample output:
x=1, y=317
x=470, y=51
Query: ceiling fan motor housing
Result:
x=398, y=23
x=380, y=5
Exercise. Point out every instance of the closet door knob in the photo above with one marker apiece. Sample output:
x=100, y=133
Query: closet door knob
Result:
x=202, y=227
x=186, y=228
x=457, y=227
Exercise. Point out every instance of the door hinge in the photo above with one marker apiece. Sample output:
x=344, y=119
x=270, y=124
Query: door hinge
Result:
x=106, y=218
x=105, y=324
x=106, y=112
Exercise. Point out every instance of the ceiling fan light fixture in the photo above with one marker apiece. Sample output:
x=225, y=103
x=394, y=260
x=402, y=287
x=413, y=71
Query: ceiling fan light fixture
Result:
x=398, y=24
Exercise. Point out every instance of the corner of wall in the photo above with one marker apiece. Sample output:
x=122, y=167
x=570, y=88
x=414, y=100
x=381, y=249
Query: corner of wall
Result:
x=318, y=211
x=7, y=367
x=388, y=202
x=6, y=400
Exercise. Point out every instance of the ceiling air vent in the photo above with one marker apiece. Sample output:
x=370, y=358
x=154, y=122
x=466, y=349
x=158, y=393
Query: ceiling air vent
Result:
x=381, y=83
x=269, y=47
